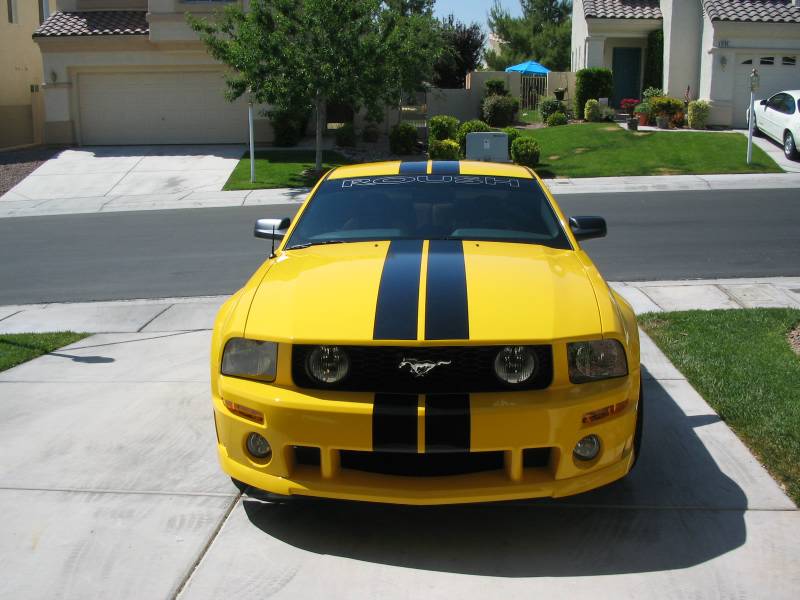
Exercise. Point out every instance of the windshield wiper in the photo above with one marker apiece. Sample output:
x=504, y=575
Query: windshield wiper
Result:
x=309, y=244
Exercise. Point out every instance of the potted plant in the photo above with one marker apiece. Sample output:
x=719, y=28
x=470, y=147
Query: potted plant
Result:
x=559, y=93
x=628, y=105
x=642, y=112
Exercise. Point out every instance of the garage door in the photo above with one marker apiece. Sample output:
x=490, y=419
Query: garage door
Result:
x=158, y=108
x=776, y=71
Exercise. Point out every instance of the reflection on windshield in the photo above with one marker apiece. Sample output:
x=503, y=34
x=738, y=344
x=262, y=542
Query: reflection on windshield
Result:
x=429, y=207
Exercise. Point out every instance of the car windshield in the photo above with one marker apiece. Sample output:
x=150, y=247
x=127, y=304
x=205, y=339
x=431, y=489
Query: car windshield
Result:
x=469, y=207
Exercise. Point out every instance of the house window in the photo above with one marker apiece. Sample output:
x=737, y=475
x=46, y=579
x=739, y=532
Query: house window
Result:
x=767, y=60
x=749, y=61
x=788, y=61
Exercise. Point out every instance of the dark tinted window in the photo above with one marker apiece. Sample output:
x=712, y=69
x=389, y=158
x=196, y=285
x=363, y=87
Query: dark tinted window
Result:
x=429, y=207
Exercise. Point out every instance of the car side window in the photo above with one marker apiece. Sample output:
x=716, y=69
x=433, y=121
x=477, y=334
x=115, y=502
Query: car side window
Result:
x=775, y=102
x=788, y=104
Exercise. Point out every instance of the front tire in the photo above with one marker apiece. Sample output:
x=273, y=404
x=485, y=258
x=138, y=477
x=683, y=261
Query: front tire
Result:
x=789, y=146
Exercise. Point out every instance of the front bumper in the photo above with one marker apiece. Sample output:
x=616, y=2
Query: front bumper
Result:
x=500, y=422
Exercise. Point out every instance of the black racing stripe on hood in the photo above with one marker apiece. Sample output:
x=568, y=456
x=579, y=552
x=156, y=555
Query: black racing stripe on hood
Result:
x=445, y=167
x=446, y=310
x=447, y=423
x=396, y=311
x=394, y=423
x=414, y=167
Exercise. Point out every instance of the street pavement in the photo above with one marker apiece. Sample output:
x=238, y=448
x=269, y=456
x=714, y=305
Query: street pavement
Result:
x=654, y=235
x=191, y=188
x=109, y=487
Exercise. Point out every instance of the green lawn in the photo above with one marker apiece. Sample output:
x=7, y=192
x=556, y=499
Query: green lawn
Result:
x=742, y=364
x=607, y=150
x=530, y=116
x=280, y=169
x=17, y=348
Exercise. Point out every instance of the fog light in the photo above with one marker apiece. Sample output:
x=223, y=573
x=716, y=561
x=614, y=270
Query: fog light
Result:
x=258, y=446
x=587, y=448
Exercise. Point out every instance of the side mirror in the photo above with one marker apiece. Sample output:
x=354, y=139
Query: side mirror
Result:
x=271, y=229
x=586, y=228
x=763, y=102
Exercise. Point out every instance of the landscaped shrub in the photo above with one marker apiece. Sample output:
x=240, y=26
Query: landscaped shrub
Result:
x=443, y=150
x=556, y=119
x=665, y=106
x=525, y=151
x=592, y=83
x=698, y=113
x=652, y=92
x=512, y=135
x=495, y=87
x=607, y=113
x=591, y=111
x=499, y=111
x=403, y=138
x=346, y=135
x=442, y=127
x=549, y=105
x=289, y=126
x=469, y=127
x=371, y=133
x=654, y=60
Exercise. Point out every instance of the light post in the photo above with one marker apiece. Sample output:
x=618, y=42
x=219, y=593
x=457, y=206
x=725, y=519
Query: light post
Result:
x=252, y=144
x=752, y=114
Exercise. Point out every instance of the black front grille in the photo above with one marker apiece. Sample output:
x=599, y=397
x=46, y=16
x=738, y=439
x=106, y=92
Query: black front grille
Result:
x=421, y=465
x=470, y=369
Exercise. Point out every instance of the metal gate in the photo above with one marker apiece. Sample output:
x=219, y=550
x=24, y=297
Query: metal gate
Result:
x=533, y=87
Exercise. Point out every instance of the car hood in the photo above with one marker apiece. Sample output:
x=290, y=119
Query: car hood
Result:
x=487, y=292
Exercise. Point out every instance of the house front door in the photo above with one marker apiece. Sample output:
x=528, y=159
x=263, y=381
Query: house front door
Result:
x=626, y=69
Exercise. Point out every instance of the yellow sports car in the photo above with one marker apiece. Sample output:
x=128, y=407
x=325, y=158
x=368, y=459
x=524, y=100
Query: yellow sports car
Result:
x=427, y=333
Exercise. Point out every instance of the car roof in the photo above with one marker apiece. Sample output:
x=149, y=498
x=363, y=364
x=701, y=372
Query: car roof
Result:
x=431, y=167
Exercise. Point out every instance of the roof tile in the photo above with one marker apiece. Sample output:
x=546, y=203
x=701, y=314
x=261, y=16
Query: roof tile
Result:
x=101, y=22
x=764, y=11
x=622, y=9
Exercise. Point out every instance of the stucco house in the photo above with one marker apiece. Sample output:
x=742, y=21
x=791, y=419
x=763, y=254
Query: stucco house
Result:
x=20, y=71
x=133, y=72
x=710, y=46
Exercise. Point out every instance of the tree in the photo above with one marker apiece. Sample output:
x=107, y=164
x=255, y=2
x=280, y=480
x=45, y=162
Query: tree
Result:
x=543, y=33
x=463, y=47
x=299, y=54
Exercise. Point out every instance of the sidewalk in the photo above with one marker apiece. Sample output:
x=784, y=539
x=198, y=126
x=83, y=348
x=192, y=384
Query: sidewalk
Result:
x=110, y=487
x=197, y=313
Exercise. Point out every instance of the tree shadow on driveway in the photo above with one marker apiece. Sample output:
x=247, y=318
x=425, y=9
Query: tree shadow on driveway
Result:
x=676, y=510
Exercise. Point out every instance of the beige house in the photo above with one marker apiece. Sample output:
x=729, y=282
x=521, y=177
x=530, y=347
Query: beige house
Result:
x=133, y=72
x=20, y=71
x=710, y=46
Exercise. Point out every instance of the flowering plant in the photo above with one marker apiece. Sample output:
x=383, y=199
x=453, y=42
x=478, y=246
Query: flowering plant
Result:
x=628, y=104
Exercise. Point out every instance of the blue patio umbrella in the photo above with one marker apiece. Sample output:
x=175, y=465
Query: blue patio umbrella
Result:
x=529, y=67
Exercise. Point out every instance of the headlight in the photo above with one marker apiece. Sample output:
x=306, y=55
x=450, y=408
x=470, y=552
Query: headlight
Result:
x=252, y=359
x=515, y=364
x=327, y=364
x=591, y=361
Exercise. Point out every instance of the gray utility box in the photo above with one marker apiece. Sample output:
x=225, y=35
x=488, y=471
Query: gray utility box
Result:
x=491, y=146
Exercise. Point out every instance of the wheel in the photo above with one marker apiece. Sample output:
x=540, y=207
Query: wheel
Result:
x=756, y=131
x=637, y=436
x=789, y=147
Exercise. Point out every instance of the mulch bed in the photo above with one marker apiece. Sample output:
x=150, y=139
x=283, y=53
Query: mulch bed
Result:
x=16, y=165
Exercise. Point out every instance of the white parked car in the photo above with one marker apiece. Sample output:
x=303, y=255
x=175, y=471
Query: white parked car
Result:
x=778, y=117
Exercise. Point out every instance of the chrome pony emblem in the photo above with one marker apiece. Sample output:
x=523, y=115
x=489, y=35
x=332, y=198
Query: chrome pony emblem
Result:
x=420, y=368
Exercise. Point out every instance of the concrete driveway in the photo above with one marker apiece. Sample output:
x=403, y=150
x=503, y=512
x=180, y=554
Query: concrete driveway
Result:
x=119, y=171
x=109, y=487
